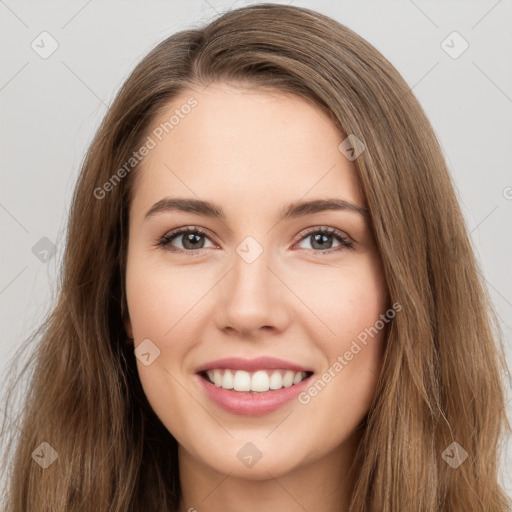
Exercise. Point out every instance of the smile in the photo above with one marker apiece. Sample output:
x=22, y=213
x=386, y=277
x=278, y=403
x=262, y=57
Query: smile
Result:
x=252, y=387
x=259, y=381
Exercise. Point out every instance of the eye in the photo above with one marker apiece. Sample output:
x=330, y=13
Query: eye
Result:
x=321, y=240
x=194, y=239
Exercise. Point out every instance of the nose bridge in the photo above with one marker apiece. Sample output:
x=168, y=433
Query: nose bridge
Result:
x=251, y=277
x=251, y=294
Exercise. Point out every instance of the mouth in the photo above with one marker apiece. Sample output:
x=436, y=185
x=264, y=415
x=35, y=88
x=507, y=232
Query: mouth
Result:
x=252, y=387
x=254, y=382
x=252, y=393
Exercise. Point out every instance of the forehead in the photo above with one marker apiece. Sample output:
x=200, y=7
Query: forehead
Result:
x=244, y=146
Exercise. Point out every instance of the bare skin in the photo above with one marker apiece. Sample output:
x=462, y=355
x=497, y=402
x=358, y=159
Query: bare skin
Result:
x=252, y=153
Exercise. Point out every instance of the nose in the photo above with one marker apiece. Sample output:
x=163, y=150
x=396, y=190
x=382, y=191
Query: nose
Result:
x=252, y=298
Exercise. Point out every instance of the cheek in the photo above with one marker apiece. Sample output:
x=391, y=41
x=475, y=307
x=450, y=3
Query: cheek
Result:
x=160, y=295
x=158, y=303
x=338, y=303
x=165, y=307
x=350, y=302
x=329, y=308
x=342, y=300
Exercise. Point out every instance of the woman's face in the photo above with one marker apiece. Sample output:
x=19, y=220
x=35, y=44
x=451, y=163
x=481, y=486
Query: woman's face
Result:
x=260, y=280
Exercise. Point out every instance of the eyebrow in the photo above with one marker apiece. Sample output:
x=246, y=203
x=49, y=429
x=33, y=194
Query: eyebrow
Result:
x=292, y=210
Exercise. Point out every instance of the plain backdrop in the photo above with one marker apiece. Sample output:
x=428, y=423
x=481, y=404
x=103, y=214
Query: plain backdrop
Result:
x=52, y=105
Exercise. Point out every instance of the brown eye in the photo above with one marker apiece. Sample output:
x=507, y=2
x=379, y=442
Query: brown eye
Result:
x=191, y=239
x=322, y=240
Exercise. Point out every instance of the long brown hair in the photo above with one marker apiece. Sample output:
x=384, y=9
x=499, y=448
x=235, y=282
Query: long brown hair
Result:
x=441, y=380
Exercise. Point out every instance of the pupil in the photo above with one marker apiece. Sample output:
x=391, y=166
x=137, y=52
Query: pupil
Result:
x=190, y=239
x=319, y=238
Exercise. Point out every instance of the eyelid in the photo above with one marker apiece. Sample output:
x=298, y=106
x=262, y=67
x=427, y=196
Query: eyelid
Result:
x=345, y=241
x=175, y=233
x=322, y=229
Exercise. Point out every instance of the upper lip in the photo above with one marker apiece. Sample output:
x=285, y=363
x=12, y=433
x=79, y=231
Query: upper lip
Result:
x=251, y=365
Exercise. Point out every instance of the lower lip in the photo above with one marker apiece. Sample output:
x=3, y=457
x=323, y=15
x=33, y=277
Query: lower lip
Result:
x=251, y=404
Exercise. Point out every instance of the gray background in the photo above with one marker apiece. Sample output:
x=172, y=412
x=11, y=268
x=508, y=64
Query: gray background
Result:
x=52, y=106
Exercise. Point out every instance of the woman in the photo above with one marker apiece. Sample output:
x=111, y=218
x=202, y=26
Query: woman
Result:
x=259, y=309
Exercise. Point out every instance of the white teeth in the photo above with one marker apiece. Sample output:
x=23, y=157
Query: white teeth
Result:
x=288, y=379
x=276, y=381
x=242, y=381
x=217, y=378
x=227, y=381
x=259, y=381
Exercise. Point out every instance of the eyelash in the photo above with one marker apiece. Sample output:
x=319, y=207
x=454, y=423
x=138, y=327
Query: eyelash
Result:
x=345, y=243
